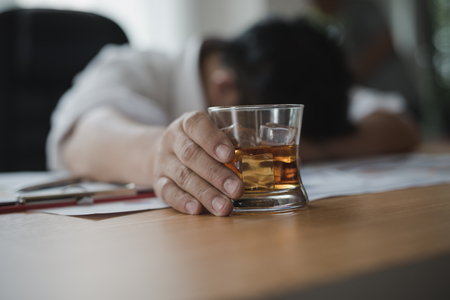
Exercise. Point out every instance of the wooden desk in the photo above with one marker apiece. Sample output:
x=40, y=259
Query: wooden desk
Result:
x=166, y=255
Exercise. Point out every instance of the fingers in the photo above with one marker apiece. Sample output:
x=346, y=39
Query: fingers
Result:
x=180, y=200
x=187, y=192
x=199, y=127
x=190, y=173
x=218, y=175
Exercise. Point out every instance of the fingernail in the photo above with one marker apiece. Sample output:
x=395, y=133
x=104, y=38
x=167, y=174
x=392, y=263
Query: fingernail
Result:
x=191, y=207
x=218, y=203
x=231, y=185
x=223, y=151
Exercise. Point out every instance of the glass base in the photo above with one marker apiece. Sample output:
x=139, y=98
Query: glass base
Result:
x=271, y=202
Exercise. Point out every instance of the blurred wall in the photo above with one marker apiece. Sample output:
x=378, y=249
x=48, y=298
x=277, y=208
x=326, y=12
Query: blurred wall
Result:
x=227, y=18
x=165, y=25
x=6, y=4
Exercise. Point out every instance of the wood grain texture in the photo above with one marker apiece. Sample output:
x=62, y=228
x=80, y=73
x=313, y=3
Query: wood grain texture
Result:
x=167, y=255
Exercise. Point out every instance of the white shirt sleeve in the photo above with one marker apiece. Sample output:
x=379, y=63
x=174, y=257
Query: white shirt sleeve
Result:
x=134, y=83
x=364, y=101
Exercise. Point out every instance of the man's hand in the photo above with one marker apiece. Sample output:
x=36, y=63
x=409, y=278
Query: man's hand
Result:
x=188, y=169
x=183, y=162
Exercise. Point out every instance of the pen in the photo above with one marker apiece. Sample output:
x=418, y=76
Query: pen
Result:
x=14, y=206
x=126, y=190
x=41, y=200
x=52, y=183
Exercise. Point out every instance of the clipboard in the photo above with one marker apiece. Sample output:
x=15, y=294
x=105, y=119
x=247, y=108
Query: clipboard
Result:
x=70, y=191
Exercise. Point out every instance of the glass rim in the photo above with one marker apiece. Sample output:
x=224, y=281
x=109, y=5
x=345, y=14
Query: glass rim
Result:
x=253, y=107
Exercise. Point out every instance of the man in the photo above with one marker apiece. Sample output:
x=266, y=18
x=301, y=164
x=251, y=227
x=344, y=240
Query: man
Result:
x=139, y=116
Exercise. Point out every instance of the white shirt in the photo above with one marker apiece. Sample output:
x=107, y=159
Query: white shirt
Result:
x=155, y=89
x=149, y=87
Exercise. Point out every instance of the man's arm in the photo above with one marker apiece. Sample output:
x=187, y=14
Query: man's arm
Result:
x=107, y=146
x=378, y=133
x=183, y=162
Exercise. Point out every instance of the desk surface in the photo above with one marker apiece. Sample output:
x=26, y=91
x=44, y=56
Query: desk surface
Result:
x=172, y=256
x=166, y=255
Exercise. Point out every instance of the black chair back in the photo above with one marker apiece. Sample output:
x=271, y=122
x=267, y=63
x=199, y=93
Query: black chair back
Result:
x=41, y=50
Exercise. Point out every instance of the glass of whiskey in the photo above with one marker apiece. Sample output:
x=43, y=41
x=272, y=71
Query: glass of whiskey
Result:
x=266, y=140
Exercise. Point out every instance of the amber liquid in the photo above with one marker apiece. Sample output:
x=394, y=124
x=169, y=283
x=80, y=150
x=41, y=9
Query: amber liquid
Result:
x=267, y=168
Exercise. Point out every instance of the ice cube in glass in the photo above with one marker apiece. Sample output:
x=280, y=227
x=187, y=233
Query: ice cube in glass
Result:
x=257, y=171
x=241, y=137
x=272, y=134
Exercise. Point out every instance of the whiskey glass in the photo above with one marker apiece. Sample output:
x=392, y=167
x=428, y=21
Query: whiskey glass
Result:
x=266, y=140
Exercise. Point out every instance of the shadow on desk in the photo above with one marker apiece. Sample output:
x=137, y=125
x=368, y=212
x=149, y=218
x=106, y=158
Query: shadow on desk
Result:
x=428, y=279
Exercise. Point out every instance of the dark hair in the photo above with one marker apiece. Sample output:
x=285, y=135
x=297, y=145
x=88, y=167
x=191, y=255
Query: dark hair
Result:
x=281, y=61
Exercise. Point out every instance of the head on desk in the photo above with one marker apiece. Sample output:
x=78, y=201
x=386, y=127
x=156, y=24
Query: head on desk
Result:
x=281, y=61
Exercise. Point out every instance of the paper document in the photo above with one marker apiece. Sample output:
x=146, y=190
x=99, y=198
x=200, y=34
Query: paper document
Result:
x=378, y=174
x=108, y=208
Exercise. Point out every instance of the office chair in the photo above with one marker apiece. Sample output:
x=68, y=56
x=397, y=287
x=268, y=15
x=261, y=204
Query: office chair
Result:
x=40, y=52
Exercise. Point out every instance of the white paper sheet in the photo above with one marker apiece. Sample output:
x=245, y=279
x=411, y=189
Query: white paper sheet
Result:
x=10, y=182
x=108, y=208
x=373, y=175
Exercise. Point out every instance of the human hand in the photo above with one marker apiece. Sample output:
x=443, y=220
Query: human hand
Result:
x=189, y=171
